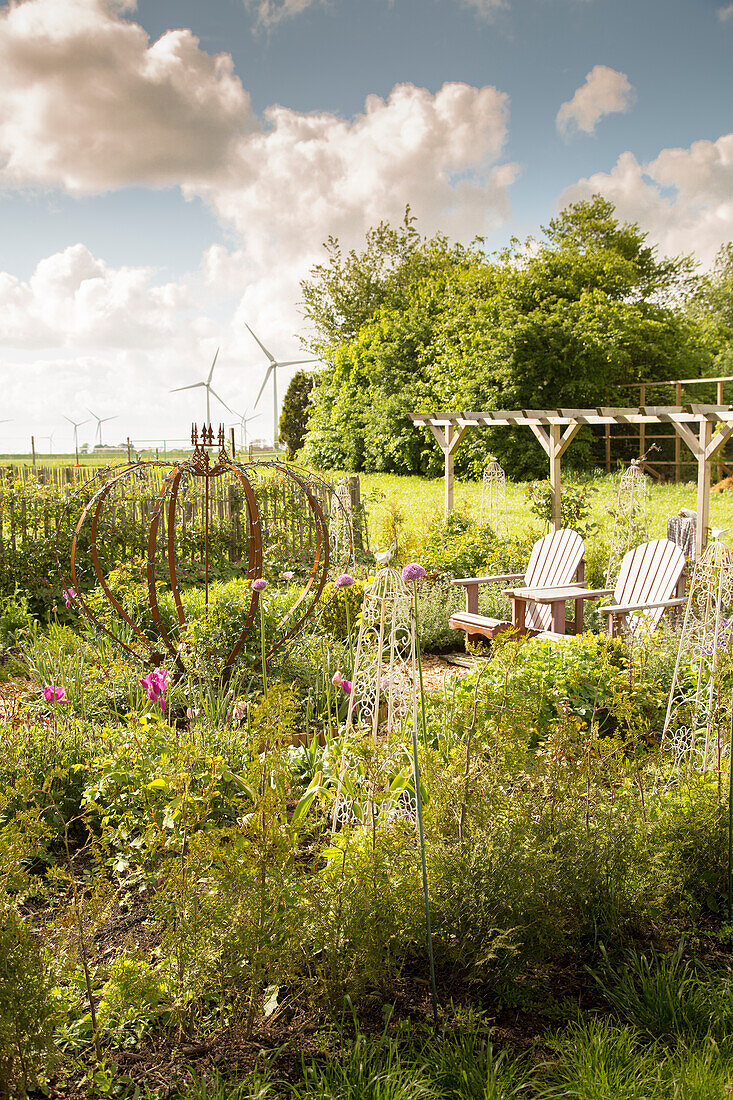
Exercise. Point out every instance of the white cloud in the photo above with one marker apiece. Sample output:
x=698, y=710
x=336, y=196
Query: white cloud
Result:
x=683, y=198
x=605, y=92
x=725, y=13
x=271, y=12
x=485, y=9
x=88, y=103
x=75, y=300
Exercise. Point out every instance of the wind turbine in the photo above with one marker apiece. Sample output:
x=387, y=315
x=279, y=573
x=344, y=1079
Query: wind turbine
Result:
x=50, y=442
x=207, y=386
x=272, y=370
x=243, y=422
x=100, y=421
x=77, y=424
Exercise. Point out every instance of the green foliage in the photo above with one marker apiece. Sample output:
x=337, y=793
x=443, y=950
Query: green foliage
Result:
x=294, y=412
x=564, y=323
x=575, y=504
x=28, y=1007
x=333, y=615
x=459, y=547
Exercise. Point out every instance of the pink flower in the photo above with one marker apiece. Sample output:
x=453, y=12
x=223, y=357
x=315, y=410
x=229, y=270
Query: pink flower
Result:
x=413, y=572
x=260, y=584
x=155, y=684
x=338, y=681
x=287, y=575
x=343, y=581
x=69, y=595
x=54, y=694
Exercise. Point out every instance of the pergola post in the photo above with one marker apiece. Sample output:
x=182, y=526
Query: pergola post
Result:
x=448, y=441
x=555, y=444
x=703, y=447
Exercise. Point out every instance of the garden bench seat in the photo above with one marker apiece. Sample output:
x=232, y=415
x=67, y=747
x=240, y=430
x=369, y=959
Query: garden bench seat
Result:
x=556, y=560
x=650, y=582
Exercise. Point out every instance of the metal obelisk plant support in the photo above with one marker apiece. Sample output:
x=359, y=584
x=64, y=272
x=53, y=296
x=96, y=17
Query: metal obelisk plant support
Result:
x=493, y=498
x=630, y=524
x=341, y=521
x=411, y=574
x=387, y=644
x=693, y=710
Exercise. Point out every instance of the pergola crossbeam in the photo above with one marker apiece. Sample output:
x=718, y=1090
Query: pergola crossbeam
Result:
x=555, y=430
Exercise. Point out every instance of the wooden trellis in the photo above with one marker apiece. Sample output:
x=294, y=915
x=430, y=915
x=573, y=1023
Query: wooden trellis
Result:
x=556, y=429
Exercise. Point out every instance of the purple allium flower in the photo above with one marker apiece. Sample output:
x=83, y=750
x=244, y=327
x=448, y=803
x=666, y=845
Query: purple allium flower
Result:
x=344, y=581
x=413, y=572
x=54, y=694
x=69, y=595
x=260, y=584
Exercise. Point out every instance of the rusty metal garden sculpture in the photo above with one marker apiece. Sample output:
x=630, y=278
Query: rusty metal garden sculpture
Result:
x=92, y=512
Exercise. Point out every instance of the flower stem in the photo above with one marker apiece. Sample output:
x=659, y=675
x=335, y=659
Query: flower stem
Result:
x=262, y=647
x=348, y=633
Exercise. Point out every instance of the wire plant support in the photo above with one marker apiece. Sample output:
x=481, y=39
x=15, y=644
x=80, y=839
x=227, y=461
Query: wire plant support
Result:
x=630, y=527
x=696, y=729
x=493, y=498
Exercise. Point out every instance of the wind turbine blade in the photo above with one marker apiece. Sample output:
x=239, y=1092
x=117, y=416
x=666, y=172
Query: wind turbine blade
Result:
x=194, y=386
x=106, y=418
x=213, y=365
x=295, y=362
x=270, y=369
x=221, y=400
x=269, y=354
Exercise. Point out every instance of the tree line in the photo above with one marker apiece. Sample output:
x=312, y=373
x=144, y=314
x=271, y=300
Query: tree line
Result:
x=411, y=323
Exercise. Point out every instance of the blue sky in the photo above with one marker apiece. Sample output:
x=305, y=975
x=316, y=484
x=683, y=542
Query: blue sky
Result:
x=168, y=171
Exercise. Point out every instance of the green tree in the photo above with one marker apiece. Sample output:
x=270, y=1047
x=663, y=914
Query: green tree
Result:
x=564, y=322
x=712, y=306
x=294, y=412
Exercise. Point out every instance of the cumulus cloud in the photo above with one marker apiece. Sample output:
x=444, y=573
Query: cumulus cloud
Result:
x=88, y=103
x=75, y=300
x=604, y=92
x=725, y=13
x=683, y=198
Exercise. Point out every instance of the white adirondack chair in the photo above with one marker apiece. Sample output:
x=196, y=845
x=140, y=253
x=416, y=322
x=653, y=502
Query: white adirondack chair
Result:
x=556, y=560
x=650, y=581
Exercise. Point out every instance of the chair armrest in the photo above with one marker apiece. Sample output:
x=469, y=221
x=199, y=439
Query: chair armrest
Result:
x=595, y=593
x=625, y=609
x=499, y=578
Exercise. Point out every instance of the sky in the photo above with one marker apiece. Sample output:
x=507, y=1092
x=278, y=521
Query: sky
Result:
x=170, y=169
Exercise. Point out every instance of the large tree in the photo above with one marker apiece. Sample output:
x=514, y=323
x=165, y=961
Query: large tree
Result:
x=563, y=322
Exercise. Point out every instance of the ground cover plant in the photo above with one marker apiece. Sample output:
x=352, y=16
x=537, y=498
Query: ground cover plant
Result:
x=178, y=916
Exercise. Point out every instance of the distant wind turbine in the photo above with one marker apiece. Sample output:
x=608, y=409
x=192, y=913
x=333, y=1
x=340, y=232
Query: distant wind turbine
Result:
x=50, y=442
x=207, y=386
x=272, y=370
x=77, y=424
x=100, y=421
x=243, y=422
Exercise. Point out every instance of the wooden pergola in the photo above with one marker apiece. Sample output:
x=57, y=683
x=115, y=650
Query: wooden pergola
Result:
x=555, y=429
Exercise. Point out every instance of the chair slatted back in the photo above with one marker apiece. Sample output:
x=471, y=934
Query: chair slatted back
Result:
x=553, y=563
x=648, y=574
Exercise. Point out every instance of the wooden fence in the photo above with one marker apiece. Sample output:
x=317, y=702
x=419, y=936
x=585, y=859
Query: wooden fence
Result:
x=30, y=510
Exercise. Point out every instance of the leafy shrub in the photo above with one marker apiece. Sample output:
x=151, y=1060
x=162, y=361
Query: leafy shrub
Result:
x=28, y=1007
x=459, y=547
x=575, y=504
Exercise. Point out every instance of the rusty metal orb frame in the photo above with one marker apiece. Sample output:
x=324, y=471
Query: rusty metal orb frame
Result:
x=198, y=465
